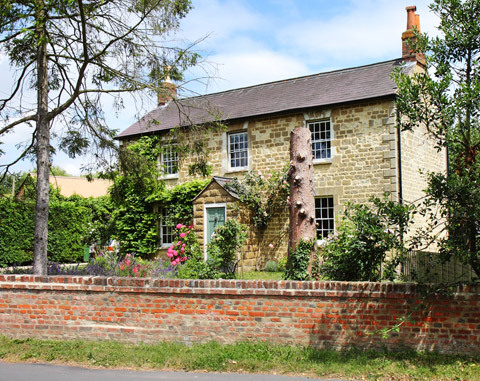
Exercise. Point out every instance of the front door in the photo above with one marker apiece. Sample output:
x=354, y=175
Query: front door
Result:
x=215, y=216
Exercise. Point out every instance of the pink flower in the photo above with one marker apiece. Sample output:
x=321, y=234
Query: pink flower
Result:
x=190, y=227
x=182, y=250
x=179, y=226
x=182, y=235
x=270, y=246
x=179, y=243
x=169, y=255
x=283, y=186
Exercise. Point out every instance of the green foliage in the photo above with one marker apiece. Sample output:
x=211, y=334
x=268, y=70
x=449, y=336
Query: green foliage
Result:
x=221, y=252
x=16, y=231
x=68, y=226
x=446, y=100
x=271, y=267
x=453, y=200
x=297, y=262
x=73, y=223
x=134, y=217
x=136, y=192
x=224, y=245
x=282, y=264
x=179, y=201
x=265, y=196
x=366, y=234
x=247, y=356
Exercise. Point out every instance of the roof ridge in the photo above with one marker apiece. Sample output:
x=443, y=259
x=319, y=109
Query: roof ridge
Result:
x=290, y=79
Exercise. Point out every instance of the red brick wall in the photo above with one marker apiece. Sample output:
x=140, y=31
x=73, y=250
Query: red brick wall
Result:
x=319, y=314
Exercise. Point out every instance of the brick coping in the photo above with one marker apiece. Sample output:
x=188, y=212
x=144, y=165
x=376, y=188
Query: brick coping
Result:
x=224, y=286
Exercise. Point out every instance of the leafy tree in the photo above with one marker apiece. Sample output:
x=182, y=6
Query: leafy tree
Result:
x=70, y=52
x=366, y=234
x=446, y=100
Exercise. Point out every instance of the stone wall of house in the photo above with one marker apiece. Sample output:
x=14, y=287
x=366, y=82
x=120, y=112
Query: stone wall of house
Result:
x=419, y=156
x=364, y=161
x=337, y=315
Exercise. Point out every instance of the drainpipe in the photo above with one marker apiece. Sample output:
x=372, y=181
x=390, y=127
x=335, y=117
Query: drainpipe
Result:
x=399, y=160
x=399, y=180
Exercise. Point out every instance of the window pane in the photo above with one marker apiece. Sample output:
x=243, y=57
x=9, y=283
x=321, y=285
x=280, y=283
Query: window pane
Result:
x=238, y=149
x=321, y=139
x=166, y=228
x=324, y=216
x=169, y=160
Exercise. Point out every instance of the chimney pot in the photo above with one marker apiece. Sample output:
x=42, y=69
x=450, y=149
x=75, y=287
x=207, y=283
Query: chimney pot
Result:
x=167, y=92
x=413, y=22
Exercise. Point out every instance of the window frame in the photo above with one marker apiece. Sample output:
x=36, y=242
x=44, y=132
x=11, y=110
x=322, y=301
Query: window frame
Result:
x=163, y=212
x=320, y=220
x=245, y=149
x=167, y=162
x=320, y=140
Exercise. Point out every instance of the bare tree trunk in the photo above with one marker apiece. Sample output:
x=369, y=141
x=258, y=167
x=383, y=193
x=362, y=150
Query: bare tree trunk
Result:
x=302, y=198
x=43, y=146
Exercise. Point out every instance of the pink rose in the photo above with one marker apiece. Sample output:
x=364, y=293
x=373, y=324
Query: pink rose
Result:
x=179, y=226
x=182, y=235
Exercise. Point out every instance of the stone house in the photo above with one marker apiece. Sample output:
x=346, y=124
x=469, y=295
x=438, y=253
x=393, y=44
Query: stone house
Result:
x=357, y=150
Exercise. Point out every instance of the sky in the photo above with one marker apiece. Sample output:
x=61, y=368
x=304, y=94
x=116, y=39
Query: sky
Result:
x=248, y=42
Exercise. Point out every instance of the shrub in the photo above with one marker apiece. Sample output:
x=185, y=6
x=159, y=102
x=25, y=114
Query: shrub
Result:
x=297, y=262
x=224, y=245
x=271, y=267
x=364, y=237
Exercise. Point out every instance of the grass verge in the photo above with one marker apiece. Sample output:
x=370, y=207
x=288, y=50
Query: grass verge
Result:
x=251, y=357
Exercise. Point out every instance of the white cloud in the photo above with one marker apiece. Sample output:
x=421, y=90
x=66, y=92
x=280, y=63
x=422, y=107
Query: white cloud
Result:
x=370, y=31
x=246, y=69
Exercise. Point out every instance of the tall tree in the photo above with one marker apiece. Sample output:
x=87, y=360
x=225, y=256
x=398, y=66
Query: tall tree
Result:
x=70, y=52
x=446, y=100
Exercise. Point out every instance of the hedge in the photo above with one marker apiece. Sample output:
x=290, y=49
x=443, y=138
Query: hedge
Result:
x=68, y=223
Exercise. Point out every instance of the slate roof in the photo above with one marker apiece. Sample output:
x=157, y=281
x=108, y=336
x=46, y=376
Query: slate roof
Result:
x=323, y=89
x=220, y=181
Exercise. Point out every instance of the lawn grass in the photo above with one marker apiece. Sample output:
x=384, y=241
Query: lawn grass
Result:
x=251, y=357
x=260, y=275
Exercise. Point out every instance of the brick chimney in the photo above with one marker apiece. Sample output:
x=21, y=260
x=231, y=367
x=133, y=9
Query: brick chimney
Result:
x=413, y=21
x=167, y=92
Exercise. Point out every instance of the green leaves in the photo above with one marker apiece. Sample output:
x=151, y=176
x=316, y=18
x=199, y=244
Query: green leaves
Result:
x=297, y=262
x=446, y=101
x=263, y=195
x=359, y=248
